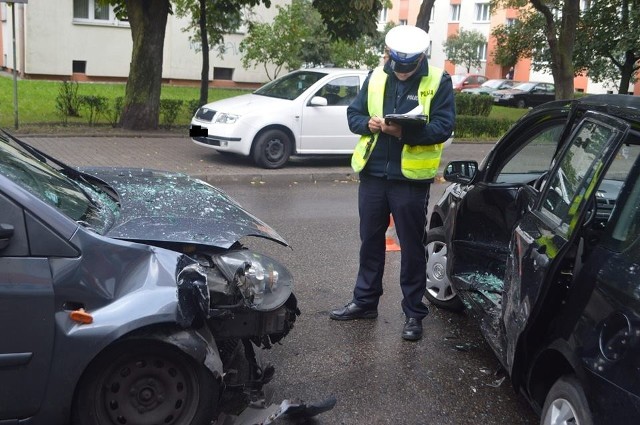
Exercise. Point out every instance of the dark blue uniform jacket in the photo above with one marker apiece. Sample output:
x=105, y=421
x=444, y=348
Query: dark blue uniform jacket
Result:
x=401, y=97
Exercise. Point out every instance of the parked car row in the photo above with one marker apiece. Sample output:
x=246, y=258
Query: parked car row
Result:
x=540, y=243
x=490, y=86
x=524, y=95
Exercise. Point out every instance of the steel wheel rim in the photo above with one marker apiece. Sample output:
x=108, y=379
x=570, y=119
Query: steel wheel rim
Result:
x=148, y=389
x=561, y=412
x=274, y=150
x=438, y=284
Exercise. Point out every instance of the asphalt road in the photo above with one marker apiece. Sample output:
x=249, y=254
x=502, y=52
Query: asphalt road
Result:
x=448, y=377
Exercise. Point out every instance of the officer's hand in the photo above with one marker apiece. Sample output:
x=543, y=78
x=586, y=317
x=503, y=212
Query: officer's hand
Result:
x=375, y=124
x=392, y=129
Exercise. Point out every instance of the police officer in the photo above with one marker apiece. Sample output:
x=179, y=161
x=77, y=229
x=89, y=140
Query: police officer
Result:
x=396, y=165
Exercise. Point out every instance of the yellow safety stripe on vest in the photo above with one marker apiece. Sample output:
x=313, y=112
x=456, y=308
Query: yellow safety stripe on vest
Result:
x=417, y=162
x=375, y=99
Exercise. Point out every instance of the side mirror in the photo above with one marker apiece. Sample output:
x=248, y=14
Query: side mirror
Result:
x=318, y=101
x=6, y=232
x=460, y=171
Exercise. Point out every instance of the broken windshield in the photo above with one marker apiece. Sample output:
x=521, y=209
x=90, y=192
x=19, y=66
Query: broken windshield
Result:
x=79, y=200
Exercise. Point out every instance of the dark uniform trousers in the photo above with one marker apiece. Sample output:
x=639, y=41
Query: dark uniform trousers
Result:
x=407, y=202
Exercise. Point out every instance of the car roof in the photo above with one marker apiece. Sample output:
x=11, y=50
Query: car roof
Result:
x=332, y=70
x=620, y=105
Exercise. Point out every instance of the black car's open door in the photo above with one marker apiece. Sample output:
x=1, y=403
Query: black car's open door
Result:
x=546, y=232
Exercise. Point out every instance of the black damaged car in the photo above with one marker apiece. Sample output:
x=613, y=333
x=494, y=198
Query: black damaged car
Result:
x=127, y=297
x=541, y=244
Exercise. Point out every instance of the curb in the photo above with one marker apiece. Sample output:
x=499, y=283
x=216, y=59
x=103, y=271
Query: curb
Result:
x=277, y=178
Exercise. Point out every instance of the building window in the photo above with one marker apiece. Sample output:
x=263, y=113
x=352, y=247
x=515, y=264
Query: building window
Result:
x=222, y=73
x=429, y=50
x=482, y=12
x=510, y=22
x=79, y=67
x=383, y=15
x=433, y=14
x=93, y=11
x=455, y=12
x=482, y=52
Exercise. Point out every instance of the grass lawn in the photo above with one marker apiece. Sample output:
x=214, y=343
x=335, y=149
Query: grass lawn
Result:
x=37, y=104
x=37, y=101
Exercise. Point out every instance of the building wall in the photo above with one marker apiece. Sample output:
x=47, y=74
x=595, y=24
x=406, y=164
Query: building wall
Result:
x=441, y=26
x=52, y=40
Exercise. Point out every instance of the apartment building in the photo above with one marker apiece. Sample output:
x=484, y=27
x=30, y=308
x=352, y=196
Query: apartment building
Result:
x=83, y=40
x=450, y=16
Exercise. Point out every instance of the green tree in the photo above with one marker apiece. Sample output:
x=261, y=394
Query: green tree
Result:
x=559, y=30
x=609, y=49
x=210, y=21
x=350, y=20
x=463, y=48
x=296, y=36
x=523, y=39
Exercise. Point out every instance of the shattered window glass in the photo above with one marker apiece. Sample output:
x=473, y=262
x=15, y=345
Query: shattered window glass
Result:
x=575, y=177
x=533, y=159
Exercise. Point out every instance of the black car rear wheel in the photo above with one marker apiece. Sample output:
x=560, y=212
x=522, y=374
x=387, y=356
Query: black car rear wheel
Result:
x=439, y=290
x=272, y=149
x=145, y=382
x=566, y=403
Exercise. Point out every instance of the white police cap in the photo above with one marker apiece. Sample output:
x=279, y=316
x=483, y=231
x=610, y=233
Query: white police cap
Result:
x=406, y=43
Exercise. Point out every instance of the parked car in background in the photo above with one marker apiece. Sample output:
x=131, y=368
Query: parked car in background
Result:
x=541, y=244
x=127, y=296
x=525, y=95
x=301, y=113
x=490, y=86
x=467, y=81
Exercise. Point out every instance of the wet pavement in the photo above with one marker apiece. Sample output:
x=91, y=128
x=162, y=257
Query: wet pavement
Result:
x=175, y=153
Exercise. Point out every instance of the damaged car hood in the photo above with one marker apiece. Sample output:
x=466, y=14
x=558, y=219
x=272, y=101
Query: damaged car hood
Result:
x=172, y=207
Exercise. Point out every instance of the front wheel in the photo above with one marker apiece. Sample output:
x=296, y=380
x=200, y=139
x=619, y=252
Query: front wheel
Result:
x=521, y=103
x=566, y=403
x=439, y=290
x=272, y=149
x=145, y=382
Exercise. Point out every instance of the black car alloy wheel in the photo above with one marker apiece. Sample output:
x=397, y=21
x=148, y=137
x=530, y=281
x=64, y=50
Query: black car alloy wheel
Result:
x=145, y=382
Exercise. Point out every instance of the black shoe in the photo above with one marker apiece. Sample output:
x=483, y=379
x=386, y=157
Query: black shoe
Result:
x=412, y=330
x=352, y=311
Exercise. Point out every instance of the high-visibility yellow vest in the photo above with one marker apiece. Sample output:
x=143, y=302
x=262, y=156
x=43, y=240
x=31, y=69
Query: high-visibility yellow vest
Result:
x=417, y=162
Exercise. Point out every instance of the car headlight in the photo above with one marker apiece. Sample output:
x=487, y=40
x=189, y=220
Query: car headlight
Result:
x=225, y=118
x=264, y=283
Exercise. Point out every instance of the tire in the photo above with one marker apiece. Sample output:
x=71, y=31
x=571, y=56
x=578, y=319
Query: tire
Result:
x=566, y=403
x=145, y=382
x=439, y=290
x=272, y=149
x=521, y=104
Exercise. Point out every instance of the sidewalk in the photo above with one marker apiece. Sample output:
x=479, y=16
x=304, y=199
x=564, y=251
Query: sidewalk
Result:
x=180, y=154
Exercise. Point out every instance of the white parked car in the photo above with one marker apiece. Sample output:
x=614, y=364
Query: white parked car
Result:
x=301, y=113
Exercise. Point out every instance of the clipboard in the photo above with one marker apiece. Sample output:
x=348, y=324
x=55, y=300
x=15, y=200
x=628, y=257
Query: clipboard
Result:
x=406, y=119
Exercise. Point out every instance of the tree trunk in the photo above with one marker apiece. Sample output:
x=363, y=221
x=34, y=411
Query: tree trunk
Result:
x=204, y=75
x=561, y=46
x=626, y=71
x=148, y=21
x=424, y=14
